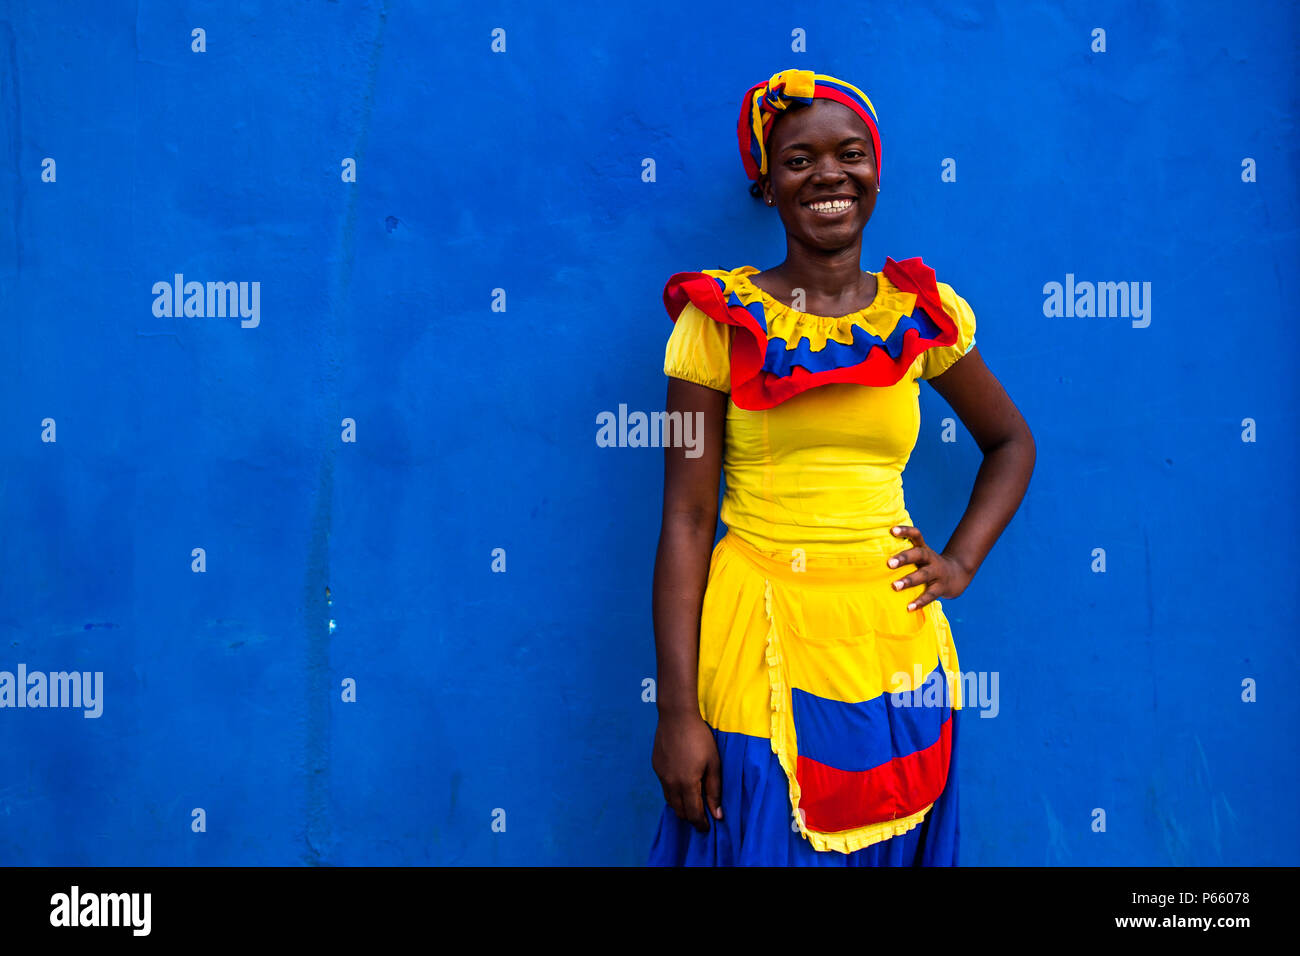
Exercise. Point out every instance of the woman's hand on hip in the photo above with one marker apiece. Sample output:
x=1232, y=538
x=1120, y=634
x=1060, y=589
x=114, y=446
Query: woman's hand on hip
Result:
x=942, y=577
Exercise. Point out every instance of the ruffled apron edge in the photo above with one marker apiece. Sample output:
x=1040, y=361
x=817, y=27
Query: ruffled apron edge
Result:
x=843, y=841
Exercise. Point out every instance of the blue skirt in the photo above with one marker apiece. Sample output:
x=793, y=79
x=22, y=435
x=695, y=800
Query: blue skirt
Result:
x=757, y=825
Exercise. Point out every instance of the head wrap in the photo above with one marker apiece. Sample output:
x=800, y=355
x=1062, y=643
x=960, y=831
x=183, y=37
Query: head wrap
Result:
x=766, y=101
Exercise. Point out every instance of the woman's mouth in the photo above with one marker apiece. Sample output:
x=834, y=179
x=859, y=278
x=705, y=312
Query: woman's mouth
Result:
x=831, y=208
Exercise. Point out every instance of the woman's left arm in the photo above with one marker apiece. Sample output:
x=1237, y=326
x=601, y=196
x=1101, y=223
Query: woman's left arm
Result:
x=1003, y=436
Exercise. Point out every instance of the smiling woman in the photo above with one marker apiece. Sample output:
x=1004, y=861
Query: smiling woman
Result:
x=809, y=686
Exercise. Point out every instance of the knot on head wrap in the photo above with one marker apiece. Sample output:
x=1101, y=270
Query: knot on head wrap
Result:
x=767, y=100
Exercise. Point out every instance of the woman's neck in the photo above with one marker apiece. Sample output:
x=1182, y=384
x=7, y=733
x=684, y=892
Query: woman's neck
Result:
x=831, y=280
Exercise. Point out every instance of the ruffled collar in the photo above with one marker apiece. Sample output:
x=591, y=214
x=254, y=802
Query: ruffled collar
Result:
x=880, y=317
x=787, y=351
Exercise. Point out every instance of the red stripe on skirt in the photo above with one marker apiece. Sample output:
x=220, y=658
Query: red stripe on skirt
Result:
x=833, y=800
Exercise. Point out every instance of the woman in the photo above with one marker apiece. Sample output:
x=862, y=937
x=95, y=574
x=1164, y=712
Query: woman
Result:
x=808, y=687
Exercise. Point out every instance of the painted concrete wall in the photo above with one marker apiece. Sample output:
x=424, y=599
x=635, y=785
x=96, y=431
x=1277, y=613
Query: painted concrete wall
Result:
x=130, y=438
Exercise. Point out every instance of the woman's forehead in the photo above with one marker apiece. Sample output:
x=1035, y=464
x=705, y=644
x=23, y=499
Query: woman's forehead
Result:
x=821, y=119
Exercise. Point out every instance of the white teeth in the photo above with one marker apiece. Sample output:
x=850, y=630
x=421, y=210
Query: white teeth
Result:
x=838, y=205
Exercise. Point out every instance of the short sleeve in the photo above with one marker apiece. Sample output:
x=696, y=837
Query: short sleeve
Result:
x=699, y=350
x=937, y=360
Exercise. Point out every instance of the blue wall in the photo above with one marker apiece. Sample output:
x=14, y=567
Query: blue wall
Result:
x=475, y=428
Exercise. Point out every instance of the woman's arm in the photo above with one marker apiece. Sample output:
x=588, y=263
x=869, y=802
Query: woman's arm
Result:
x=685, y=756
x=1009, y=454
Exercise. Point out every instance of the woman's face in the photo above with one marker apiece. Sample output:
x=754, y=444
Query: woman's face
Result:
x=822, y=151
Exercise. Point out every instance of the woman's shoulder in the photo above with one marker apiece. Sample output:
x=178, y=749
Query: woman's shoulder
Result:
x=699, y=347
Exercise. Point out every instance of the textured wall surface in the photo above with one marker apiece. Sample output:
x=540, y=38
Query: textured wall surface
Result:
x=128, y=157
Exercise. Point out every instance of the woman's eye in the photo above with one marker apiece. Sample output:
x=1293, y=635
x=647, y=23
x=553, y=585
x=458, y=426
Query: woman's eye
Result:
x=850, y=154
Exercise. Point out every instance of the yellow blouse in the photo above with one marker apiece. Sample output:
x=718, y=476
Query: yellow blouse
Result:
x=823, y=470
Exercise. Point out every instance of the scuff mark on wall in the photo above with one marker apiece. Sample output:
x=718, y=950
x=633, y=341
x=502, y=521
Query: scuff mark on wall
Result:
x=1058, y=849
x=323, y=692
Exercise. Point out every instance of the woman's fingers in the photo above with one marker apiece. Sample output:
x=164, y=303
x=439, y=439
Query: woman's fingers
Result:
x=918, y=555
x=911, y=579
x=713, y=788
x=674, y=797
x=929, y=595
x=907, y=531
x=696, y=801
x=912, y=555
x=695, y=808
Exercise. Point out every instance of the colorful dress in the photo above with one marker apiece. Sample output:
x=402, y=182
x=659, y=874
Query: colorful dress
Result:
x=834, y=707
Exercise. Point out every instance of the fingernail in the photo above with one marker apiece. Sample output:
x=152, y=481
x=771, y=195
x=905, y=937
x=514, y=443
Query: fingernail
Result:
x=895, y=530
x=898, y=585
x=893, y=562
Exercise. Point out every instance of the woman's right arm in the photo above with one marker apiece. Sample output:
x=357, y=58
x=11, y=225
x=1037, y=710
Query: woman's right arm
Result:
x=685, y=755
